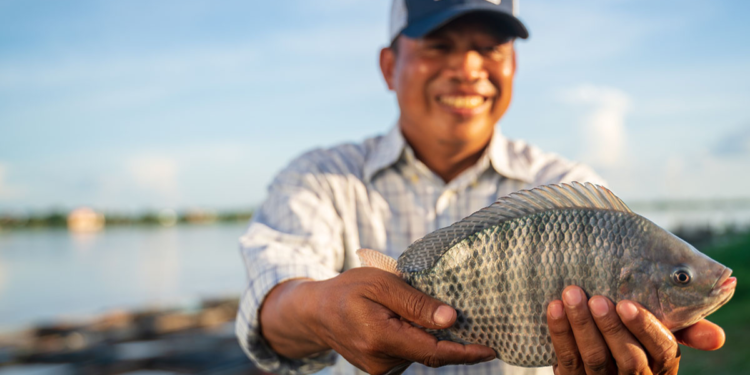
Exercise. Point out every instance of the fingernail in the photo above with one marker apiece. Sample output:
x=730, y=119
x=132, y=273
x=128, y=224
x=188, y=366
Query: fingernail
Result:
x=599, y=306
x=572, y=297
x=487, y=359
x=627, y=310
x=556, y=310
x=443, y=315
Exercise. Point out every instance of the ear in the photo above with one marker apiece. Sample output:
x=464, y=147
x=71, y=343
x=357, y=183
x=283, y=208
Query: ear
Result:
x=512, y=63
x=387, y=66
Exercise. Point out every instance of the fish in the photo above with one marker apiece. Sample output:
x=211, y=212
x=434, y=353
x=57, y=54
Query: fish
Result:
x=501, y=266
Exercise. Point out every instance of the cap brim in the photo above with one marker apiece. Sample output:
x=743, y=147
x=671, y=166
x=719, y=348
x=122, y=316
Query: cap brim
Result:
x=431, y=23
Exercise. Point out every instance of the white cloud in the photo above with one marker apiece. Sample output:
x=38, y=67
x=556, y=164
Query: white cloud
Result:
x=156, y=174
x=695, y=175
x=211, y=175
x=7, y=191
x=715, y=177
x=603, y=124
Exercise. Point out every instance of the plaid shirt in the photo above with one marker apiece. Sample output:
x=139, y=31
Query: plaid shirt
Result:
x=330, y=202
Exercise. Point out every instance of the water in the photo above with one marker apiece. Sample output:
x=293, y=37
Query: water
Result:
x=699, y=218
x=46, y=275
x=52, y=274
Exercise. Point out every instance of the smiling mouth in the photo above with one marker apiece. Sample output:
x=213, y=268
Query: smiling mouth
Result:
x=462, y=101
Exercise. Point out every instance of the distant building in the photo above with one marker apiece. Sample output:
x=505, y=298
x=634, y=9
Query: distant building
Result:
x=85, y=220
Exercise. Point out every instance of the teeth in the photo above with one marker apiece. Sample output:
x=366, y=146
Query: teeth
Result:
x=463, y=101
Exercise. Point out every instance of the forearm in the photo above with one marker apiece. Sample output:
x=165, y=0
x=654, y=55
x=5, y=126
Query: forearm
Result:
x=287, y=319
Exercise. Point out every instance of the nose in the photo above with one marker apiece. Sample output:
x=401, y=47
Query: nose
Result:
x=468, y=66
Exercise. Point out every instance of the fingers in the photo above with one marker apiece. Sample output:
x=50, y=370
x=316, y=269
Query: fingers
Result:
x=415, y=345
x=656, y=339
x=368, y=321
x=566, y=349
x=626, y=350
x=703, y=335
x=591, y=345
x=413, y=305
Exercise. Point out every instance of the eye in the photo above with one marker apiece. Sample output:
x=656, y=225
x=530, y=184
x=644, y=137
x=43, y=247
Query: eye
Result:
x=681, y=276
x=488, y=50
x=439, y=46
x=496, y=51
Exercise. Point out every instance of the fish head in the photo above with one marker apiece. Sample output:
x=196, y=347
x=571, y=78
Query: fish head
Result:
x=683, y=285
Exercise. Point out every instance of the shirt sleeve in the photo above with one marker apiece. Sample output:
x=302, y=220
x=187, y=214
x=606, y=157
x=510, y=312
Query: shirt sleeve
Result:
x=296, y=233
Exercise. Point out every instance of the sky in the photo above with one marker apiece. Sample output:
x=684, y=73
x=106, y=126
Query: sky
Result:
x=132, y=105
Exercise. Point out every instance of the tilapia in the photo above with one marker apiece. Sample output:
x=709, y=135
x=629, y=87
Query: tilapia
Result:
x=501, y=266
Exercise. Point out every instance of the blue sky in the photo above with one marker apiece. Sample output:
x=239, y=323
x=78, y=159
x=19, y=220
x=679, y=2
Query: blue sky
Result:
x=130, y=105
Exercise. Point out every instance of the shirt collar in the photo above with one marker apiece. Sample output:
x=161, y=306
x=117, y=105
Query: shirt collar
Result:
x=387, y=151
x=509, y=158
x=506, y=157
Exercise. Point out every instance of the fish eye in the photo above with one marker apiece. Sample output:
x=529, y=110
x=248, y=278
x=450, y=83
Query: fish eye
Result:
x=681, y=276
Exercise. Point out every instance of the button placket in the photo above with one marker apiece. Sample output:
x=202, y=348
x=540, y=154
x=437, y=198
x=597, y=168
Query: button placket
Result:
x=444, y=201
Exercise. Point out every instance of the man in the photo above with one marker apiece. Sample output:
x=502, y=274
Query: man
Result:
x=451, y=65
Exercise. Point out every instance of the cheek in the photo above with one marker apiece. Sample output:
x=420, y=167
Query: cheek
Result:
x=507, y=70
x=505, y=73
x=414, y=80
x=416, y=75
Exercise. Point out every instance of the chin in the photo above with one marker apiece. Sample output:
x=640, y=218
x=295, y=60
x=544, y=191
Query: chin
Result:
x=468, y=130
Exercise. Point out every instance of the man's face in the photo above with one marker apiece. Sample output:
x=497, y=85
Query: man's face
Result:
x=454, y=84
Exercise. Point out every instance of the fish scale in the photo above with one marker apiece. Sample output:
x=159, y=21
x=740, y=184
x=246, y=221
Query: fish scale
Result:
x=524, y=263
x=500, y=267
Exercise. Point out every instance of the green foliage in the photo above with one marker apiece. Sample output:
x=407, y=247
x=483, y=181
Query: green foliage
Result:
x=58, y=219
x=734, y=357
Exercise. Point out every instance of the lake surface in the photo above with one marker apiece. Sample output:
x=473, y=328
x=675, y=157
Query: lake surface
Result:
x=52, y=274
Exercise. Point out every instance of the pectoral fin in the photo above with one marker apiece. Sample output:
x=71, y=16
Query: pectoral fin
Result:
x=373, y=258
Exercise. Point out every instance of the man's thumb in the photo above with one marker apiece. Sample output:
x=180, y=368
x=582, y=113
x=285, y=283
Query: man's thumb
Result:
x=415, y=306
x=444, y=316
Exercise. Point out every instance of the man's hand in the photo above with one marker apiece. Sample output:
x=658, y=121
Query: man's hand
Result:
x=599, y=338
x=364, y=314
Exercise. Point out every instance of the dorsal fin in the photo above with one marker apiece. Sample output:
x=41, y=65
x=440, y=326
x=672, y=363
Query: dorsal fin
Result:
x=423, y=253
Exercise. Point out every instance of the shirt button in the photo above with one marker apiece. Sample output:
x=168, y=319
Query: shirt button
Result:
x=444, y=201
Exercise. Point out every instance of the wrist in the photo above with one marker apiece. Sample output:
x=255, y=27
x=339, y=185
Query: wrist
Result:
x=309, y=291
x=286, y=321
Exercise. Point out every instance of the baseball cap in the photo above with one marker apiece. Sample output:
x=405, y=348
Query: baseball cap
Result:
x=417, y=18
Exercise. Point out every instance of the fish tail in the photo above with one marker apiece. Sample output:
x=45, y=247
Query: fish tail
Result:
x=373, y=258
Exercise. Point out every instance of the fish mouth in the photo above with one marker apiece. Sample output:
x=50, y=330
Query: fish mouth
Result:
x=725, y=283
x=721, y=292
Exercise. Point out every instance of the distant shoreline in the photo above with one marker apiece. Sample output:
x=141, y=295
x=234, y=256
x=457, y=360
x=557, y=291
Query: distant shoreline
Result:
x=65, y=218
x=161, y=218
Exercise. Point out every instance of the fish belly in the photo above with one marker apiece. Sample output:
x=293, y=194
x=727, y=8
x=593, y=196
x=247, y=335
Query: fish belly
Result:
x=500, y=280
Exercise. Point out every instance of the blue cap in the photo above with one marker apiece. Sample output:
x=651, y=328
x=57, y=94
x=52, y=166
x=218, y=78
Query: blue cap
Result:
x=417, y=18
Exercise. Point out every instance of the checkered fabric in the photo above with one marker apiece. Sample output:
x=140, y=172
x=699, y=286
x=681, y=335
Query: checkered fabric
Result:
x=330, y=202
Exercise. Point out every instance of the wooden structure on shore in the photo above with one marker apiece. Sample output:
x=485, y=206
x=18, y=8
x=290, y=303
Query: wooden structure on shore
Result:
x=172, y=341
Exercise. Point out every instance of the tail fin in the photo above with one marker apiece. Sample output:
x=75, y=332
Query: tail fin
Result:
x=372, y=258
